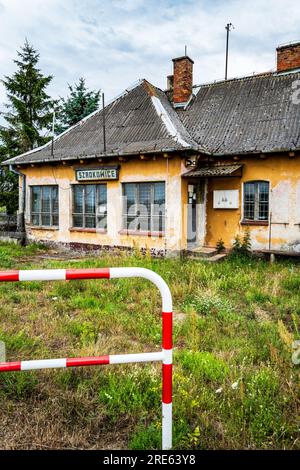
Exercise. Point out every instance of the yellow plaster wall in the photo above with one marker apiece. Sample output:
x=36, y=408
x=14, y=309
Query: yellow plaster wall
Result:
x=283, y=173
x=135, y=170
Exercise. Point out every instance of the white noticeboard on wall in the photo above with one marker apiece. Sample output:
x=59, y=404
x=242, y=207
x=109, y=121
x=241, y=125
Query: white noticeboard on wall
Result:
x=226, y=199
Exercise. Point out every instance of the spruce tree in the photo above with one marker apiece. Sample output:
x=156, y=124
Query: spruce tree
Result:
x=28, y=115
x=80, y=103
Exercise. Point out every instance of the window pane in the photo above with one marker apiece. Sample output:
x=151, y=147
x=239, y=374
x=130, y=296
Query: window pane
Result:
x=78, y=200
x=130, y=206
x=90, y=199
x=77, y=221
x=144, y=206
x=90, y=221
x=35, y=219
x=102, y=194
x=129, y=193
x=102, y=222
x=143, y=223
x=55, y=219
x=158, y=208
x=46, y=219
x=249, y=200
x=158, y=223
x=46, y=191
x=159, y=193
x=263, y=192
x=55, y=200
x=132, y=222
x=145, y=197
x=101, y=200
x=35, y=198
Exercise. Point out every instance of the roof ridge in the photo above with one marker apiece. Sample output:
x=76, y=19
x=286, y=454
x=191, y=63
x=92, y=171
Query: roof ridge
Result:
x=167, y=121
x=247, y=77
x=165, y=117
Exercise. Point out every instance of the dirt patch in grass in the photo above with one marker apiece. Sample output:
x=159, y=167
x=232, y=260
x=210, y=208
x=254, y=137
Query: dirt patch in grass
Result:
x=41, y=424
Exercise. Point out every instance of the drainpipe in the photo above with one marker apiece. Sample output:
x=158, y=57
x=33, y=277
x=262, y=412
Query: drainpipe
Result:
x=22, y=205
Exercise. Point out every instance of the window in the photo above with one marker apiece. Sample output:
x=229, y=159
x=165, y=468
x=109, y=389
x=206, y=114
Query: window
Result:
x=44, y=206
x=256, y=201
x=144, y=207
x=90, y=206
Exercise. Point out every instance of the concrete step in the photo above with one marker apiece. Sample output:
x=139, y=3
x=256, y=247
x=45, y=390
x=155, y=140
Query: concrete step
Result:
x=202, y=252
x=209, y=259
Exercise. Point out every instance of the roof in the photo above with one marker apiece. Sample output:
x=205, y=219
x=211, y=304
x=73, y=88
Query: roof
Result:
x=250, y=115
x=141, y=120
x=213, y=170
x=241, y=116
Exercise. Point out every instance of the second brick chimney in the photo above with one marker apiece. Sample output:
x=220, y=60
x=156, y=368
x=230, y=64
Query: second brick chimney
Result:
x=183, y=79
x=288, y=57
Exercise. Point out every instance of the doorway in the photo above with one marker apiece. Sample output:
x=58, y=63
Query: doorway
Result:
x=196, y=214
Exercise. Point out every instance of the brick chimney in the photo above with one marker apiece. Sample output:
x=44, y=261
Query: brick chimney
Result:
x=183, y=79
x=288, y=57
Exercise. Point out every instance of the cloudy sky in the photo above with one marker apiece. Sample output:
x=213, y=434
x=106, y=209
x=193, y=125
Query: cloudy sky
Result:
x=112, y=43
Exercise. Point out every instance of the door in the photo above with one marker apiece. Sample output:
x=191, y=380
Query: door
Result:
x=192, y=216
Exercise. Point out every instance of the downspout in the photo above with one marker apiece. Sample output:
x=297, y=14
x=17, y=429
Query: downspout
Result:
x=22, y=205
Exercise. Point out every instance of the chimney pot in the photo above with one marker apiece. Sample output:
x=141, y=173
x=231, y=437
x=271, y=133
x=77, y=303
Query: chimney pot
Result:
x=183, y=79
x=170, y=82
x=288, y=57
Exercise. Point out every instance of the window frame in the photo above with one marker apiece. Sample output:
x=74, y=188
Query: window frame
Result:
x=161, y=217
x=40, y=213
x=256, y=220
x=97, y=215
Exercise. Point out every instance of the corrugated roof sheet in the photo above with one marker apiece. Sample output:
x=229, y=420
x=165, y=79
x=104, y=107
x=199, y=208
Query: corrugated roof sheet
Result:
x=213, y=170
x=250, y=115
x=140, y=120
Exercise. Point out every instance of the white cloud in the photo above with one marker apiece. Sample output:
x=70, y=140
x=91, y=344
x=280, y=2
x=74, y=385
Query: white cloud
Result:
x=114, y=42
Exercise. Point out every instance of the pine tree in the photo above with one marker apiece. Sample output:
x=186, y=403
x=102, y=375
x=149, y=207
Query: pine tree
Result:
x=28, y=115
x=79, y=104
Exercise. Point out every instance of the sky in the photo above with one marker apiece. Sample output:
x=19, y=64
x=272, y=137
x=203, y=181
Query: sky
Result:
x=113, y=43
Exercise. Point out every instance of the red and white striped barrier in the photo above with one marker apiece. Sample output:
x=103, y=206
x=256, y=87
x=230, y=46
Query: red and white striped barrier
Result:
x=165, y=355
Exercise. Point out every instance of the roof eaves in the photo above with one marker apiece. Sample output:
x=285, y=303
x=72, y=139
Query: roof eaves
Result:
x=256, y=152
x=103, y=155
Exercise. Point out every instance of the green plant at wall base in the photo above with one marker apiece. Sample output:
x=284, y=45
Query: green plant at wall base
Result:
x=236, y=246
x=242, y=245
x=246, y=243
x=220, y=246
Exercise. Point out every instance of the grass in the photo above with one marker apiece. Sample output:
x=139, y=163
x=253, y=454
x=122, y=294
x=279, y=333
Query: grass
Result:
x=235, y=385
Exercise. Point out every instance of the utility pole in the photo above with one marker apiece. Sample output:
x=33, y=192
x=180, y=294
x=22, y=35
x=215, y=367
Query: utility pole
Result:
x=53, y=134
x=103, y=123
x=228, y=28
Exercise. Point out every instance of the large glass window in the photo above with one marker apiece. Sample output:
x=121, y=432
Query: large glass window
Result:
x=90, y=206
x=256, y=201
x=144, y=207
x=44, y=206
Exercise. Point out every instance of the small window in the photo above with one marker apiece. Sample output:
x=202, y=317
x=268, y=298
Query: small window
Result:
x=144, y=207
x=90, y=206
x=256, y=201
x=44, y=206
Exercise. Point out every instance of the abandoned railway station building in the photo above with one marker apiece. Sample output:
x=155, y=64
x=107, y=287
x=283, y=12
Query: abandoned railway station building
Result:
x=176, y=169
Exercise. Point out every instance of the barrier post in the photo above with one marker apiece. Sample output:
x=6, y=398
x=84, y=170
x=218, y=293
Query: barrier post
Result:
x=165, y=355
